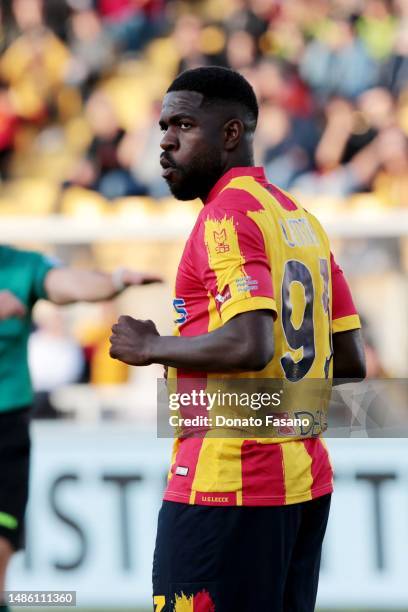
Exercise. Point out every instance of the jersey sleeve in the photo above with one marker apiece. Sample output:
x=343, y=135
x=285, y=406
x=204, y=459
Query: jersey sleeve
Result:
x=233, y=264
x=344, y=313
x=41, y=265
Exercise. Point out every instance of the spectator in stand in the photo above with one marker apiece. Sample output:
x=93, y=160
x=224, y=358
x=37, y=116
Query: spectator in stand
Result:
x=279, y=82
x=102, y=169
x=92, y=50
x=264, y=10
x=8, y=128
x=394, y=73
x=241, y=50
x=131, y=23
x=34, y=64
x=391, y=183
x=138, y=152
x=374, y=111
x=337, y=63
x=28, y=15
x=309, y=60
x=376, y=27
x=285, y=38
x=339, y=120
x=4, y=28
x=285, y=144
x=244, y=18
x=56, y=16
x=346, y=156
x=187, y=41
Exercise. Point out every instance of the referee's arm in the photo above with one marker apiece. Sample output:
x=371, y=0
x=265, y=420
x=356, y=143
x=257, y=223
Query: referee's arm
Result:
x=10, y=305
x=69, y=285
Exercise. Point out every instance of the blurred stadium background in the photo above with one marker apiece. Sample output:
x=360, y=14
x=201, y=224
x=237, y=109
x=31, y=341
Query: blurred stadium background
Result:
x=80, y=88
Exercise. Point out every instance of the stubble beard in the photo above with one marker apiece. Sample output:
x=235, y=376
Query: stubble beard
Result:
x=198, y=178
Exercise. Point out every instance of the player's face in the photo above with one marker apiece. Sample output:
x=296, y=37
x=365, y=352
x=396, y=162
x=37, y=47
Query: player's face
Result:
x=192, y=145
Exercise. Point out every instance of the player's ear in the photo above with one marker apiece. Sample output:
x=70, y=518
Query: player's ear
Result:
x=233, y=133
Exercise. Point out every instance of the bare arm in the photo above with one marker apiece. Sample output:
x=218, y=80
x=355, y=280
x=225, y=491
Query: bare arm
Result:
x=348, y=355
x=69, y=285
x=10, y=305
x=243, y=343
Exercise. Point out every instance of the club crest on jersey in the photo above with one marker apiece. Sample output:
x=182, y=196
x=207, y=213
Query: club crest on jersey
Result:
x=179, y=306
x=220, y=239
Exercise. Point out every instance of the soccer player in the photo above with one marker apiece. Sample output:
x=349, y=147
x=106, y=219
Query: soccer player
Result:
x=25, y=277
x=257, y=291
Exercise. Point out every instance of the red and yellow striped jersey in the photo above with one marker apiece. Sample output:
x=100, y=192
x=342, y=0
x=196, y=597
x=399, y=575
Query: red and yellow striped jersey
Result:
x=253, y=247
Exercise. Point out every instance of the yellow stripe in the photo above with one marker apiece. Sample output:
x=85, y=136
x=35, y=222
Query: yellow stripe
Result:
x=249, y=184
x=214, y=320
x=298, y=470
x=346, y=323
x=219, y=466
x=176, y=445
x=224, y=254
x=239, y=498
x=231, y=309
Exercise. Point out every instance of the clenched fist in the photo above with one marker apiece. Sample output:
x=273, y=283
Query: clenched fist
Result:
x=132, y=341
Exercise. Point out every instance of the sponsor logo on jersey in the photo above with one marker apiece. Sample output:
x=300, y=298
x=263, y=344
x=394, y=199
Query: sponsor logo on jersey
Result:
x=246, y=283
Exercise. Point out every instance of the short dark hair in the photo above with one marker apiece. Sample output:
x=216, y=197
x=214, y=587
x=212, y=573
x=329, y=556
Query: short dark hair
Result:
x=218, y=84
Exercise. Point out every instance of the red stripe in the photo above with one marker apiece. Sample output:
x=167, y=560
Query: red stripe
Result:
x=202, y=602
x=262, y=470
x=186, y=384
x=256, y=264
x=281, y=197
x=187, y=456
x=187, y=380
x=257, y=172
x=233, y=199
x=198, y=317
x=343, y=305
x=194, y=256
x=322, y=473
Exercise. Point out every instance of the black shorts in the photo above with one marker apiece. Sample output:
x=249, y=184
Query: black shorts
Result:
x=239, y=559
x=14, y=473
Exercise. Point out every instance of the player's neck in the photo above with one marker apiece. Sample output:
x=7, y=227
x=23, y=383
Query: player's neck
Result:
x=239, y=161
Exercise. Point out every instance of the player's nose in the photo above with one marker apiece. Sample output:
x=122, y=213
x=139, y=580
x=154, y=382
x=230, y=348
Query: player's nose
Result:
x=169, y=142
